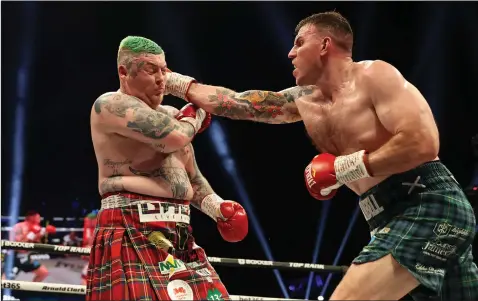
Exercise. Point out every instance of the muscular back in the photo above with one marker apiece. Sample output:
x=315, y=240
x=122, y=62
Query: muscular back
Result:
x=134, y=165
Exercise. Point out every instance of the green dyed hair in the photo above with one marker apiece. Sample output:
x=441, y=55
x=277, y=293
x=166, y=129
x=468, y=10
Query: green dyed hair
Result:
x=137, y=45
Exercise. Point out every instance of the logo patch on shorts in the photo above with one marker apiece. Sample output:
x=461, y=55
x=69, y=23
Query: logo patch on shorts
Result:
x=214, y=294
x=180, y=290
x=171, y=265
x=439, y=250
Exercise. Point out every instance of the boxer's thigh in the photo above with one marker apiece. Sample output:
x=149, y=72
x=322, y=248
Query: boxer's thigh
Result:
x=382, y=279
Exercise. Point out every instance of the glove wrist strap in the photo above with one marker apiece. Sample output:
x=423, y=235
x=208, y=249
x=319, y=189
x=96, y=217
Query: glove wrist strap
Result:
x=197, y=121
x=353, y=167
x=210, y=205
x=178, y=85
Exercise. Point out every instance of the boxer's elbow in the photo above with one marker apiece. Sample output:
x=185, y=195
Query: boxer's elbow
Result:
x=424, y=146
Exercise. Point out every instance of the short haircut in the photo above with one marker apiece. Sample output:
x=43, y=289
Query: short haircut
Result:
x=333, y=22
x=31, y=213
x=132, y=46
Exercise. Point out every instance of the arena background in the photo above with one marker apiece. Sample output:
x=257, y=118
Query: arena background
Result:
x=57, y=58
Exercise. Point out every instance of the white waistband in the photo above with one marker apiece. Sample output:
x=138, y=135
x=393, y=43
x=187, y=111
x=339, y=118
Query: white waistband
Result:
x=118, y=201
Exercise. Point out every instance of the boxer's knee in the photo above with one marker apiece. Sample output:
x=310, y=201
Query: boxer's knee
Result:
x=383, y=279
x=40, y=274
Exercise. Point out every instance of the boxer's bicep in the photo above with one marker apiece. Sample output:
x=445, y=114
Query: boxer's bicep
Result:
x=395, y=104
x=255, y=105
x=126, y=116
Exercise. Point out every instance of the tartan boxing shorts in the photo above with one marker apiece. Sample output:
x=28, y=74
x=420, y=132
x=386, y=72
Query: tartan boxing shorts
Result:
x=143, y=250
x=424, y=220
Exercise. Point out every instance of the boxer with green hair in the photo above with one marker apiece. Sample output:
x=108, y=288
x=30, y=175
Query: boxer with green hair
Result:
x=148, y=178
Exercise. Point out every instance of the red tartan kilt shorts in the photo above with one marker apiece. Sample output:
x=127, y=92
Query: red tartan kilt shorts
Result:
x=135, y=260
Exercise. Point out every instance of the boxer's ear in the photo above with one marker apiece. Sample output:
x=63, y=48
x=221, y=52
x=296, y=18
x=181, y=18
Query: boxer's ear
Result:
x=325, y=45
x=122, y=71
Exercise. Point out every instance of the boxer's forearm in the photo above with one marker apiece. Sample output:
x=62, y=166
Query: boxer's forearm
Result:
x=201, y=189
x=255, y=105
x=401, y=153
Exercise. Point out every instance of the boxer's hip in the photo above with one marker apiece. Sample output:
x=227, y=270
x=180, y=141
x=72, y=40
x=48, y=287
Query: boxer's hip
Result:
x=400, y=192
x=163, y=221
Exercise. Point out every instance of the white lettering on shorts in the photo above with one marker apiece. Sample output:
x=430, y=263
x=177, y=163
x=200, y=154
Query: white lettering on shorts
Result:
x=429, y=270
x=438, y=250
x=370, y=207
x=163, y=212
x=445, y=229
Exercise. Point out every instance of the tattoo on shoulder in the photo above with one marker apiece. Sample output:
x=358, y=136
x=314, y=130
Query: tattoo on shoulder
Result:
x=144, y=120
x=117, y=103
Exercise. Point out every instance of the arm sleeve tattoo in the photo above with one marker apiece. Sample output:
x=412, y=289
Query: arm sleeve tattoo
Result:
x=255, y=105
x=130, y=117
x=199, y=183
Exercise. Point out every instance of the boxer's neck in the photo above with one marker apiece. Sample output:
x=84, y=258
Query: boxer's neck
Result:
x=336, y=74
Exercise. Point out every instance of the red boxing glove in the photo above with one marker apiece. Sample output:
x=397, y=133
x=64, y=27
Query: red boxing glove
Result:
x=230, y=216
x=199, y=118
x=50, y=229
x=326, y=173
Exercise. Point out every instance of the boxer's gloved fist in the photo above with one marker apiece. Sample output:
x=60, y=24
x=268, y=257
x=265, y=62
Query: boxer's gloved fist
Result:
x=178, y=84
x=197, y=117
x=50, y=229
x=326, y=173
x=231, y=218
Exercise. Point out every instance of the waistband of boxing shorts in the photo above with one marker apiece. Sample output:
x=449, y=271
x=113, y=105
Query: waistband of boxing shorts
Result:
x=381, y=202
x=149, y=208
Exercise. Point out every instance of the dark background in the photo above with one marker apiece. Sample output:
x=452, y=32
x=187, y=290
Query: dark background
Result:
x=65, y=54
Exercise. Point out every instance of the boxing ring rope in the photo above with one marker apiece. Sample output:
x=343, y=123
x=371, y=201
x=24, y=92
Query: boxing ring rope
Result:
x=219, y=261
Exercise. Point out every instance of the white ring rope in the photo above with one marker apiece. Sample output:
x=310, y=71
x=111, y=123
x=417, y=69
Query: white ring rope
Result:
x=57, y=229
x=81, y=289
x=232, y=262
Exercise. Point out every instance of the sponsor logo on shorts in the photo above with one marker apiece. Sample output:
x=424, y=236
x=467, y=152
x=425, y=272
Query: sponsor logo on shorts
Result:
x=163, y=212
x=306, y=265
x=47, y=288
x=429, y=270
x=214, y=294
x=370, y=208
x=171, y=265
x=72, y=249
x=194, y=264
x=445, y=229
x=180, y=290
x=254, y=262
x=205, y=272
x=439, y=250
x=16, y=244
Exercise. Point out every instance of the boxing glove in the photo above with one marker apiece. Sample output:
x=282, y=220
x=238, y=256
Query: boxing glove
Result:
x=231, y=218
x=178, y=84
x=326, y=173
x=50, y=229
x=199, y=118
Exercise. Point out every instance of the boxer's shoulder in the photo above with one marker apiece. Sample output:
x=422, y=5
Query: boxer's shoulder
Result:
x=116, y=103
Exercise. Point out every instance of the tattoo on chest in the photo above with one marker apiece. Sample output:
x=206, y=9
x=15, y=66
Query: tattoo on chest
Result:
x=176, y=177
x=116, y=165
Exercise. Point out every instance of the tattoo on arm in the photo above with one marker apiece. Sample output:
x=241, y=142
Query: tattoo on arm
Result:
x=273, y=107
x=201, y=186
x=112, y=184
x=150, y=123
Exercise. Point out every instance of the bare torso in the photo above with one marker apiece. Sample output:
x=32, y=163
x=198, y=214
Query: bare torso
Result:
x=125, y=164
x=345, y=124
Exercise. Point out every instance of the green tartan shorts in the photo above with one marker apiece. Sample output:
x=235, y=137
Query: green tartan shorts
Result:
x=424, y=220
